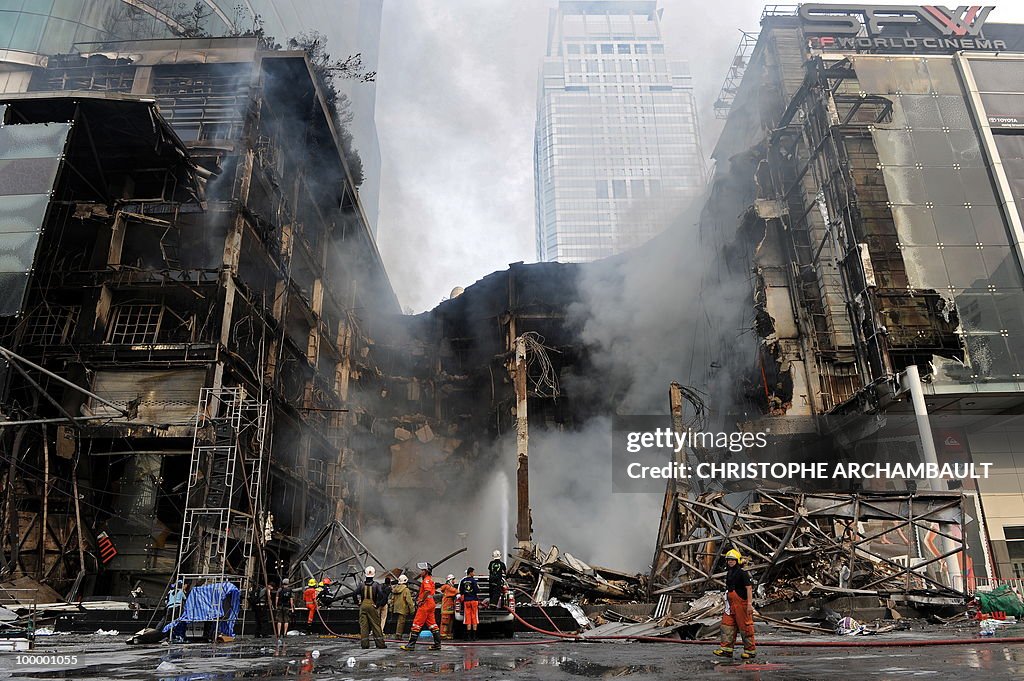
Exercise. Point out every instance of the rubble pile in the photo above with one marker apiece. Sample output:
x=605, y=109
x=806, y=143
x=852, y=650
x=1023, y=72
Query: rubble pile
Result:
x=560, y=575
x=798, y=544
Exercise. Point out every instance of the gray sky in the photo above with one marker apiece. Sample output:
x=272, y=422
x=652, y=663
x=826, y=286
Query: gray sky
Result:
x=456, y=98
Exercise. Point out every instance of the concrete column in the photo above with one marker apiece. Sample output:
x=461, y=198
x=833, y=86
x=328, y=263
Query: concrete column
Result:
x=524, y=521
x=912, y=382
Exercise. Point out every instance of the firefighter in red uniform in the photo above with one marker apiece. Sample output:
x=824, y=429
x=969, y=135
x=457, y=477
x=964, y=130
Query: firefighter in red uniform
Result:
x=309, y=596
x=425, y=606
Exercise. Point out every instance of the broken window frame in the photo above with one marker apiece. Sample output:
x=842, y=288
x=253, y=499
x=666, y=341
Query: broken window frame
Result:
x=124, y=330
x=52, y=325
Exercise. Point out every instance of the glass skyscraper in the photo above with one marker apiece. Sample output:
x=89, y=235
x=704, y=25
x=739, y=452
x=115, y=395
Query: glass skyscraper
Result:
x=617, y=149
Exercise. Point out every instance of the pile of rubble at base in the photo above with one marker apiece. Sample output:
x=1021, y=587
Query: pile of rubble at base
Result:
x=822, y=563
x=559, y=575
x=900, y=546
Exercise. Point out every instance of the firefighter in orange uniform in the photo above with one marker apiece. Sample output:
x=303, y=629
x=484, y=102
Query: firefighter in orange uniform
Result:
x=309, y=596
x=739, y=609
x=425, y=606
x=448, y=593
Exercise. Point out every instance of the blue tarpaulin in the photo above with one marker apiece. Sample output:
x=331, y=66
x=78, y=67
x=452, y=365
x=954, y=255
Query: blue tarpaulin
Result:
x=208, y=603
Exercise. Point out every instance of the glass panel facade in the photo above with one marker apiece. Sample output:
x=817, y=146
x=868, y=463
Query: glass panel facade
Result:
x=616, y=149
x=953, y=237
x=30, y=156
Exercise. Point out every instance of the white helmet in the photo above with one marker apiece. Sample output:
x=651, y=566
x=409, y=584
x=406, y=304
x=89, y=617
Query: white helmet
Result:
x=370, y=571
x=450, y=578
x=402, y=579
x=496, y=554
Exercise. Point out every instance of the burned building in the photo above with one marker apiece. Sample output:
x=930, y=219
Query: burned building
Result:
x=196, y=247
x=179, y=225
x=874, y=158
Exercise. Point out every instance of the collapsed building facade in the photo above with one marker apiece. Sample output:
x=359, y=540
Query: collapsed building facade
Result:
x=191, y=243
x=873, y=157
x=178, y=217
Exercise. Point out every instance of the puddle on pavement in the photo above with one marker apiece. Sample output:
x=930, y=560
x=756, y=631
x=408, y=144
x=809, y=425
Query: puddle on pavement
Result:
x=341, y=666
x=594, y=670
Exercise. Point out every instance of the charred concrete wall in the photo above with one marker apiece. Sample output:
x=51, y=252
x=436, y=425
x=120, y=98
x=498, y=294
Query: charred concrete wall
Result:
x=213, y=239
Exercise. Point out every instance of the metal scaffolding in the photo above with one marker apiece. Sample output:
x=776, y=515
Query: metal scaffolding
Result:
x=735, y=75
x=224, y=488
x=893, y=542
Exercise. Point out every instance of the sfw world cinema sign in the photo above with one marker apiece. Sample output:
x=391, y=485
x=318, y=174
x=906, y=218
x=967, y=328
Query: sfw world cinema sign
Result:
x=858, y=27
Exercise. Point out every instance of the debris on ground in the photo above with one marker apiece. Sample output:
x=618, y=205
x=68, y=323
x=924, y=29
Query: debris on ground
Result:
x=561, y=575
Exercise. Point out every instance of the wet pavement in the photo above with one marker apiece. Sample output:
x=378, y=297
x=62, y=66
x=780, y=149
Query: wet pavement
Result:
x=105, y=657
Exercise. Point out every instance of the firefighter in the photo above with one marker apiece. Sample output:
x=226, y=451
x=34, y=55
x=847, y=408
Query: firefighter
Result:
x=469, y=590
x=369, y=617
x=425, y=606
x=401, y=603
x=496, y=578
x=448, y=593
x=326, y=594
x=309, y=597
x=739, y=609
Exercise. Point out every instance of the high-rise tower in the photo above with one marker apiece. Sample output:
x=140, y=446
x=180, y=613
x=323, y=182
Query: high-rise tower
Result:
x=617, y=147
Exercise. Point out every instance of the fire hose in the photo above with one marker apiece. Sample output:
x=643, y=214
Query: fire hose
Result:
x=780, y=644
x=557, y=636
x=354, y=637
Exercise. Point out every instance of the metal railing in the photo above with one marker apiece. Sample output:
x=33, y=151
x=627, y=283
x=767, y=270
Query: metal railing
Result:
x=779, y=11
x=975, y=584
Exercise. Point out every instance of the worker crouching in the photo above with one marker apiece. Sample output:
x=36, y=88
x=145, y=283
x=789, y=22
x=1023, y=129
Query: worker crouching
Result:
x=425, y=607
x=739, y=609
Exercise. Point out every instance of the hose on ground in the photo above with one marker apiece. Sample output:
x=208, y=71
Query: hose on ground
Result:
x=902, y=643
x=557, y=636
x=484, y=644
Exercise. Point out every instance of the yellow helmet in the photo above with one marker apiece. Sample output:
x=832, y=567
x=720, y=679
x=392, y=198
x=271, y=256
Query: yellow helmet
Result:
x=311, y=582
x=735, y=555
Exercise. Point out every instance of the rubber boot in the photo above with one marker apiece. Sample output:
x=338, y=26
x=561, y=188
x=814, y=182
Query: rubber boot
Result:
x=380, y=643
x=364, y=643
x=437, y=640
x=749, y=647
x=728, y=641
x=411, y=645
